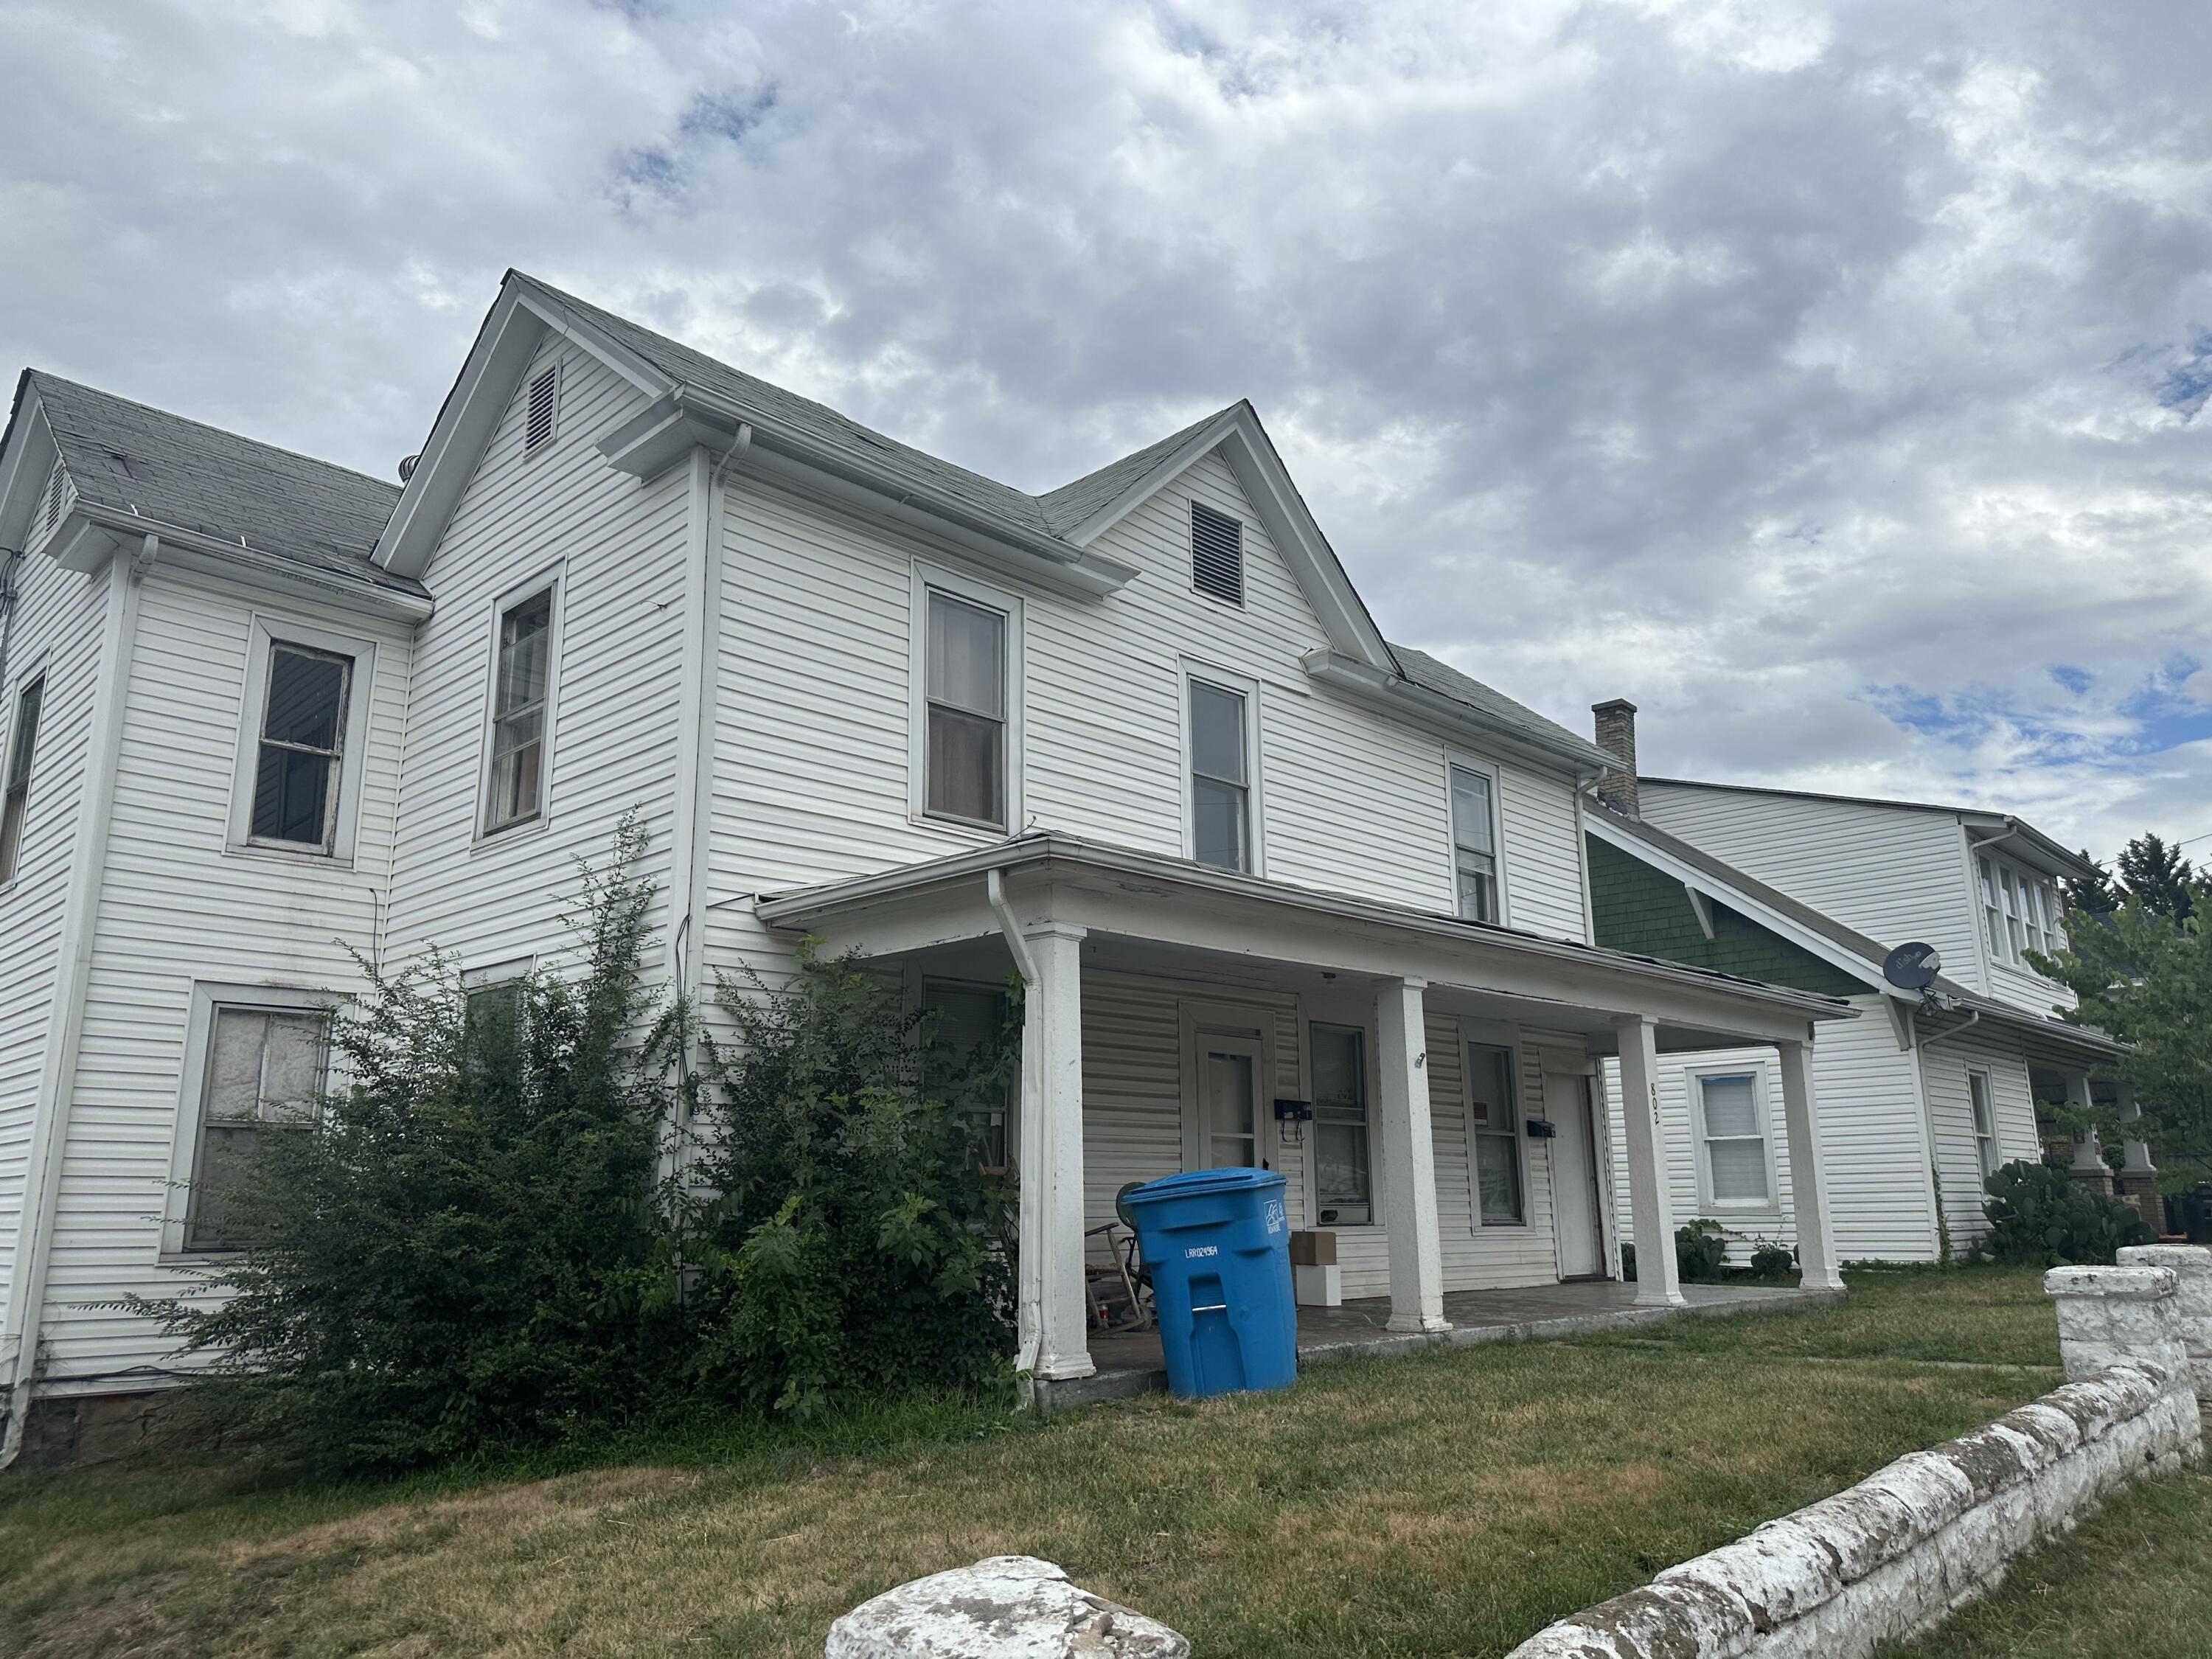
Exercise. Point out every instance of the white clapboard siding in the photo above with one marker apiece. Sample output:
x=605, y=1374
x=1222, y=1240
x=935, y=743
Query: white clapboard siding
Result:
x=622, y=546
x=56, y=632
x=2030, y=991
x=1894, y=872
x=176, y=907
x=1871, y=1143
x=1950, y=1110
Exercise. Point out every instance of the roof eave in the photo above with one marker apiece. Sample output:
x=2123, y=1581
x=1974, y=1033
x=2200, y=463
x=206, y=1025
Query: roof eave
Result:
x=1391, y=691
x=97, y=530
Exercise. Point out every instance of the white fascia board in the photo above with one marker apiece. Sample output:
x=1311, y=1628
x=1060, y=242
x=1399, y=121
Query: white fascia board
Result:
x=1165, y=472
x=24, y=465
x=1387, y=690
x=1700, y=882
x=98, y=529
x=503, y=348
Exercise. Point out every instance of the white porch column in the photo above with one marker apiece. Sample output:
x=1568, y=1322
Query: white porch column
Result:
x=2138, y=1151
x=1651, y=1210
x=1409, y=1160
x=1808, y=1178
x=1053, y=1327
x=2088, y=1152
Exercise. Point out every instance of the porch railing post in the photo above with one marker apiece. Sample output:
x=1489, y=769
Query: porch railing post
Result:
x=1808, y=1177
x=1409, y=1160
x=1051, y=1130
x=1650, y=1206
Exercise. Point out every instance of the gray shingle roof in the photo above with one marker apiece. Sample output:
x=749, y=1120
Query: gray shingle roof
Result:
x=1049, y=515
x=1425, y=671
x=169, y=471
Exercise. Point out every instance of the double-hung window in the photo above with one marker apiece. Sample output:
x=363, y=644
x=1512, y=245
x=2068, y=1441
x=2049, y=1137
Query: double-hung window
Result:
x=22, y=750
x=1494, y=1116
x=1985, y=1123
x=1992, y=915
x=965, y=759
x=964, y=1042
x=514, y=791
x=1343, y=1180
x=300, y=759
x=2035, y=903
x=2015, y=923
x=1732, y=1131
x=1221, y=778
x=1475, y=844
x=265, y=1066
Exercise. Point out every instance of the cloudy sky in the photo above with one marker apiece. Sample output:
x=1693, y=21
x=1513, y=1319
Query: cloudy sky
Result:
x=1827, y=379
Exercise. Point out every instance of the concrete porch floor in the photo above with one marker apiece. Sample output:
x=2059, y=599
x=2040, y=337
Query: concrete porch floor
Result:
x=1129, y=1361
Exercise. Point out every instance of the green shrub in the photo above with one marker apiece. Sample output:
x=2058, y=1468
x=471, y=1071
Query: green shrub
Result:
x=1700, y=1251
x=1771, y=1260
x=852, y=1245
x=463, y=1252
x=2039, y=1214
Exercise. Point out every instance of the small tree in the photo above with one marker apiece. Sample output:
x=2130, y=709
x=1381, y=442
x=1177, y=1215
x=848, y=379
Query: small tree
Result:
x=462, y=1251
x=851, y=1243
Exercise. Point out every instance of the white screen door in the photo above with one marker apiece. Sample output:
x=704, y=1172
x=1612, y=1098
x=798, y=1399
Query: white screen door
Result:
x=1574, y=1174
x=1228, y=1076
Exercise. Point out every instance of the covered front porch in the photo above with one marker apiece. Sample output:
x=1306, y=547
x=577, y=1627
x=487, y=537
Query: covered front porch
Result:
x=1429, y=1088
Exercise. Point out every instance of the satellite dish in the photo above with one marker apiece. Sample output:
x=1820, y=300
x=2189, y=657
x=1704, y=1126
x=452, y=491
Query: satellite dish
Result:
x=1912, y=967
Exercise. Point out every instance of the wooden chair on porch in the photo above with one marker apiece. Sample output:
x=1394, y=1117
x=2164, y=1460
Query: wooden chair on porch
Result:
x=1119, y=1293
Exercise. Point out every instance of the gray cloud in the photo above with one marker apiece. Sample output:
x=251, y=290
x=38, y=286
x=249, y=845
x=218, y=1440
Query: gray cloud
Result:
x=1824, y=378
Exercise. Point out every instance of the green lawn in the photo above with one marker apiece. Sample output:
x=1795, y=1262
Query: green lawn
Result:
x=1453, y=1502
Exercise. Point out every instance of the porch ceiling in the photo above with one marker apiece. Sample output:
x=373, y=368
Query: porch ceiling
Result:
x=1141, y=911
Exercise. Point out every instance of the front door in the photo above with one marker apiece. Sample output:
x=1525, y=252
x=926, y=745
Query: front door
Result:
x=1229, y=1072
x=1574, y=1175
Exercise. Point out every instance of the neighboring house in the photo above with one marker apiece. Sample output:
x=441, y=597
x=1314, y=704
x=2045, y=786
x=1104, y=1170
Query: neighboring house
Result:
x=1136, y=739
x=1921, y=1096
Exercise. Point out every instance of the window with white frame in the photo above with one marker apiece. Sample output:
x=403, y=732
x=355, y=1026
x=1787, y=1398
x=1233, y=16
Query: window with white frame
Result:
x=1343, y=1177
x=1493, y=1116
x=1986, y=1122
x=22, y=752
x=1732, y=1139
x=965, y=746
x=967, y=1037
x=265, y=1066
x=522, y=667
x=2019, y=911
x=301, y=747
x=1474, y=843
x=1220, y=777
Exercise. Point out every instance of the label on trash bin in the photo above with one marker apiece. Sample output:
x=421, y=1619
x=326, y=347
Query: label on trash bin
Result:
x=1202, y=1249
x=1274, y=1215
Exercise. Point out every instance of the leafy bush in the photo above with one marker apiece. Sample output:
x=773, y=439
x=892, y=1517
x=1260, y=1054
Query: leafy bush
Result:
x=1772, y=1259
x=2040, y=1214
x=1700, y=1251
x=463, y=1252
x=852, y=1245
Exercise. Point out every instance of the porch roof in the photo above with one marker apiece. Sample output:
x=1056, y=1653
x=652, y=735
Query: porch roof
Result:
x=1121, y=892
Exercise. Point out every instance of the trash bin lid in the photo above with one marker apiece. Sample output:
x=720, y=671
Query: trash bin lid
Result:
x=1192, y=1183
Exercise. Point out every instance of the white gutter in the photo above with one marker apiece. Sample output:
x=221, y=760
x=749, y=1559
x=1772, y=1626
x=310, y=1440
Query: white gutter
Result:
x=27, y=1290
x=1029, y=1243
x=412, y=606
x=1973, y=1019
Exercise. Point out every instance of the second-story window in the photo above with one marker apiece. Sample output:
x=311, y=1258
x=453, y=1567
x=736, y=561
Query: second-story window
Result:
x=966, y=671
x=522, y=676
x=1475, y=844
x=1221, y=778
x=22, y=749
x=2019, y=912
x=297, y=764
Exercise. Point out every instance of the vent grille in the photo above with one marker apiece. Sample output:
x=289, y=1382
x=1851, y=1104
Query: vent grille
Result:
x=1216, y=554
x=544, y=403
x=50, y=511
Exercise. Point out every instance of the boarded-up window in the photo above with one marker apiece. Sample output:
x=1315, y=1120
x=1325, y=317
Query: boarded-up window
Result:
x=265, y=1066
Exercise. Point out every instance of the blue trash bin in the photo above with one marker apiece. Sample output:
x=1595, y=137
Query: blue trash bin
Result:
x=1217, y=1249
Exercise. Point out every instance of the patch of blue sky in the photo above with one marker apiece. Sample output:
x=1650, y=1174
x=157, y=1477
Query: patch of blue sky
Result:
x=2076, y=680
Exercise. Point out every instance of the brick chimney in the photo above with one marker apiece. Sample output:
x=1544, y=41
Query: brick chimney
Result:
x=1616, y=735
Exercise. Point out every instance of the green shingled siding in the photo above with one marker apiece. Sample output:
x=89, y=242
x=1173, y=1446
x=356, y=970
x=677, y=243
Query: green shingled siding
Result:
x=1639, y=908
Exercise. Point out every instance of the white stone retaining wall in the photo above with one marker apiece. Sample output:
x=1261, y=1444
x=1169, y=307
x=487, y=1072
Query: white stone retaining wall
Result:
x=1895, y=1554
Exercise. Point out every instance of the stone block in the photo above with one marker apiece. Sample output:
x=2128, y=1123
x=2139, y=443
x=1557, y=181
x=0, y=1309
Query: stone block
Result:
x=2191, y=1264
x=2110, y=1317
x=1011, y=1607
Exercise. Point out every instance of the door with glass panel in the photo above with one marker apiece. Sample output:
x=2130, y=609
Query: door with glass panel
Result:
x=1230, y=1072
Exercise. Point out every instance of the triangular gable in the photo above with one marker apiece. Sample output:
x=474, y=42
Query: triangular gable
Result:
x=27, y=453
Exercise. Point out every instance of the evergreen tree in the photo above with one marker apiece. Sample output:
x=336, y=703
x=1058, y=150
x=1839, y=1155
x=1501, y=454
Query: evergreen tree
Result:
x=2156, y=875
x=2094, y=893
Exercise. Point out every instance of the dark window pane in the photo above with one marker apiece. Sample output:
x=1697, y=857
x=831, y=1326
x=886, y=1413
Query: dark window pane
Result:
x=964, y=1044
x=1218, y=821
x=25, y=744
x=1341, y=1178
x=306, y=695
x=491, y=1018
x=226, y=1155
x=1471, y=823
x=1497, y=1171
x=514, y=778
x=522, y=653
x=966, y=766
x=291, y=796
x=1217, y=732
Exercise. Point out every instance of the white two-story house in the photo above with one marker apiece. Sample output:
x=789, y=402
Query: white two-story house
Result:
x=1930, y=1092
x=1136, y=740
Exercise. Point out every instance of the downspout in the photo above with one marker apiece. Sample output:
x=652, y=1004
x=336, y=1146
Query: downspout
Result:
x=1028, y=1263
x=1972, y=1020
x=57, y=1081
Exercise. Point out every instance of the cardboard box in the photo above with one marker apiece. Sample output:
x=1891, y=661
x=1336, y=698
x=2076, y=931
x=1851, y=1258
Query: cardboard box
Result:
x=1313, y=1249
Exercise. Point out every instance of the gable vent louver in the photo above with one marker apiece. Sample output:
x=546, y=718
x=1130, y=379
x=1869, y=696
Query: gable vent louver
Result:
x=544, y=404
x=49, y=510
x=1216, y=554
